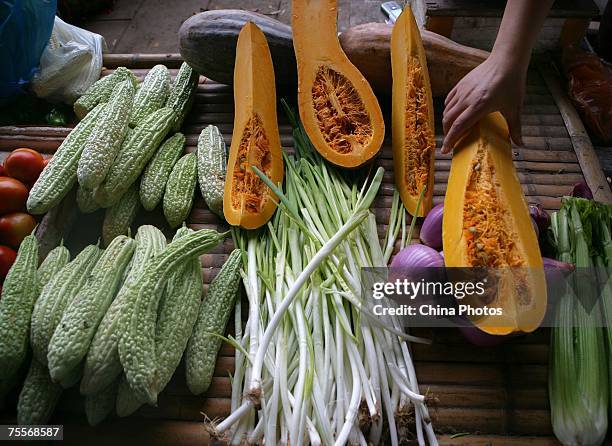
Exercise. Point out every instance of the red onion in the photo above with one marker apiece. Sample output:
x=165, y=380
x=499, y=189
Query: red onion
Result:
x=540, y=217
x=431, y=231
x=479, y=338
x=417, y=255
x=582, y=190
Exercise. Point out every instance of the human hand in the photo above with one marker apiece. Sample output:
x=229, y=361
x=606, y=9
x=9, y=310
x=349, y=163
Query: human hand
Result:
x=495, y=85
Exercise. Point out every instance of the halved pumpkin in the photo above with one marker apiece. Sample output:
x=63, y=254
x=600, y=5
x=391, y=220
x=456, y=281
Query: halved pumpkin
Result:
x=339, y=111
x=247, y=201
x=414, y=142
x=487, y=225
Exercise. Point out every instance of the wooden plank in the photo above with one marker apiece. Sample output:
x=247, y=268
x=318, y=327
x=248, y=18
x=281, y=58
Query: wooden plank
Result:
x=495, y=8
x=591, y=168
x=441, y=24
x=573, y=31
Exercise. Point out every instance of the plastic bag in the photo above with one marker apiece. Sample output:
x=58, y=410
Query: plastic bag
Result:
x=70, y=64
x=25, y=27
x=590, y=87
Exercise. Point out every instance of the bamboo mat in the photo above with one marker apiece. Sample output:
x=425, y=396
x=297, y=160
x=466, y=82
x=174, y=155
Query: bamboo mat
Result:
x=495, y=396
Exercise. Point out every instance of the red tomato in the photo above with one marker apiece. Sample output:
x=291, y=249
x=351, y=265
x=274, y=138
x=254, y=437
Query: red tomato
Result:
x=24, y=164
x=15, y=227
x=13, y=195
x=2, y=172
x=7, y=258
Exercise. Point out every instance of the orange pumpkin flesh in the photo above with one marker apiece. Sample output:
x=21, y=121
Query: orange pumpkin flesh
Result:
x=247, y=201
x=487, y=224
x=413, y=116
x=339, y=111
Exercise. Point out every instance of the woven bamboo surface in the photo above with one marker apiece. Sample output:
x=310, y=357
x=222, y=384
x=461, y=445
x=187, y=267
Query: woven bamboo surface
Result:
x=496, y=395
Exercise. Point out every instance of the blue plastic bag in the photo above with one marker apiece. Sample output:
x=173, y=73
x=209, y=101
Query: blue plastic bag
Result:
x=25, y=28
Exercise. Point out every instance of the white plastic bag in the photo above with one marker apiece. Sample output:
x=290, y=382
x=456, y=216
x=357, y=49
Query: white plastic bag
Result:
x=70, y=63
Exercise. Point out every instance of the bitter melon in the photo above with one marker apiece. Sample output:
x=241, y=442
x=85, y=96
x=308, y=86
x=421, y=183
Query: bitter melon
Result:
x=155, y=176
x=178, y=198
x=182, y=94
x=136, y=151
x=212, y=165
x=73, y=335
x=152, y=94
x=57, y=258
x=60, y=175
x=127, y=401
x=101, y=90
x=105, y=139
x=102, y=364
x=19, y=293
x=121, y=215
x=216, y=308
x=85, y=200
x=56, y=296
x=137, y=345
x=39, y=396
x=100, y=405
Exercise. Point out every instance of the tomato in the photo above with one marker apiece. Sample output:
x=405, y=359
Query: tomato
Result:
x=7, y=258
x=2, y=172
x=13, y=195
x=15, y=227
x=24, y=164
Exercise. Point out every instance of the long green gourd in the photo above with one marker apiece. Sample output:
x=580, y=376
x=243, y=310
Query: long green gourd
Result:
x=178, y=197
x=119, y=218
x=178, y=310
x=102, y=365
x=136, y=151
x=152, y=94
x=60, y=175
x=137, y=345
x=85, y=200
x=56, y=296
x=19, y=293
x=101, y=91
x=182, y=94
x=212, y=167
x=216, y=308
x=155, y=176
x=100, y=405
x=127, y=402
x=57, y=258
x=73, y=335
x=38, y=397
x=105, y=139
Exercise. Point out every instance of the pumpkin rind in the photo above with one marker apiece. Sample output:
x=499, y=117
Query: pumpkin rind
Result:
x=413, y=116
x=487, y=224
x=337, y=106
x=247, y=201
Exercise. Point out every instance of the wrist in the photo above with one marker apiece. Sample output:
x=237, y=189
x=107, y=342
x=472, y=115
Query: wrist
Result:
x=510, y=58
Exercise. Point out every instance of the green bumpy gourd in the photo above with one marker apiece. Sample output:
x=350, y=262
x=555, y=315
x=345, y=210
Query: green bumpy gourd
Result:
x=102, y=365
x=19, y=293
x=60, y=175
x=212, y=167
x=57, y=258
x=137, y=344
x=136, y=151
x=38, y=397
x=101, y=91
x=119, y=217
x=100, y=405
x=56, y=296
x=85, y=200
x=152, y=94
x=73, y=335
x=182, y=94
x=155, y=176
x=178, y=197
x=216, y=308
x=106, y=137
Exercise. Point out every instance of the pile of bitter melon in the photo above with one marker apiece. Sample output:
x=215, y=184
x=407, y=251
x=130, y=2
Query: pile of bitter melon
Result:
x=127, y=151
x=115, y=322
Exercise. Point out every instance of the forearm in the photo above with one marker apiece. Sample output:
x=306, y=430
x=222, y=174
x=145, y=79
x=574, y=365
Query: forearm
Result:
x=519, y=30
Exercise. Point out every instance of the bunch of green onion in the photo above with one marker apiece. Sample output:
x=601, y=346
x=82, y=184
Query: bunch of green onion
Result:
x=578, y=378
x=313, y=364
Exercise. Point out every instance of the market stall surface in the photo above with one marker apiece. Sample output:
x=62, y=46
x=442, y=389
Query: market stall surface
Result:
x=483, y=396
